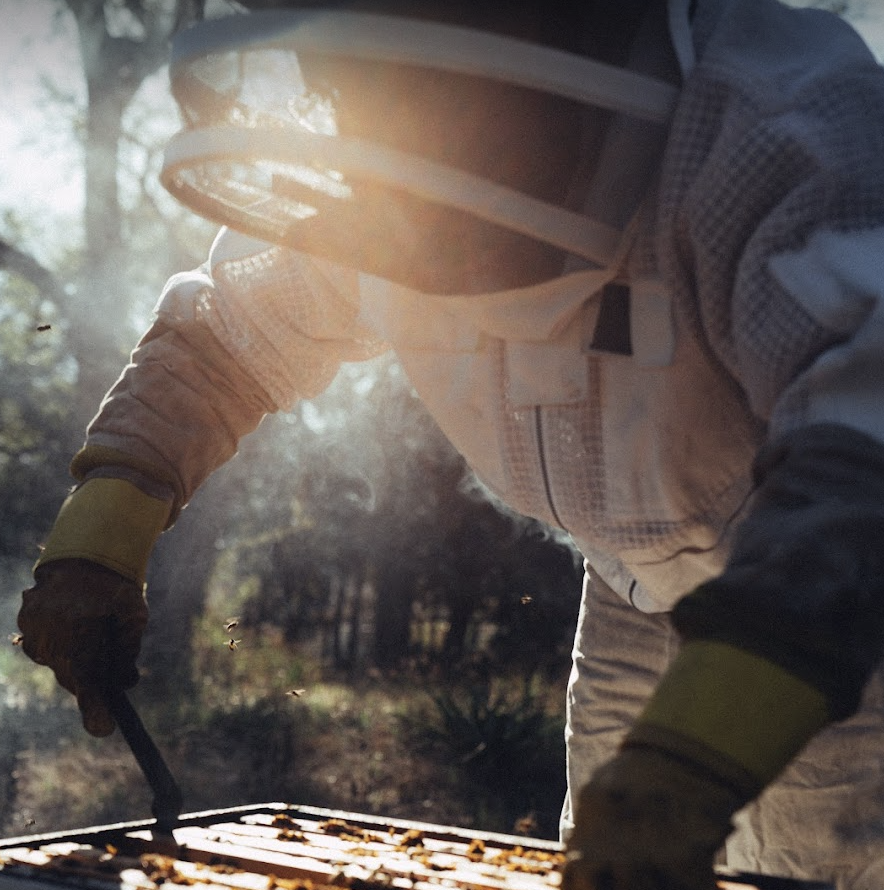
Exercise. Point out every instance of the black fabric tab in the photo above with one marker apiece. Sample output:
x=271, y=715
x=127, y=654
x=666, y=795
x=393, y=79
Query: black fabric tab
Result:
x=612, y=327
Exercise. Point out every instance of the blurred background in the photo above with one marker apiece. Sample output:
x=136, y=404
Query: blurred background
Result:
x=401, y=642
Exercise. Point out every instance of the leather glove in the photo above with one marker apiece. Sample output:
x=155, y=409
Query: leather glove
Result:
x=649, y=821
x=721, y=725
x=85, y=622
x=85, y=615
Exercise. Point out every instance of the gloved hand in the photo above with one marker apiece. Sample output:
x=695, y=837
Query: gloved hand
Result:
x=648, y=821
x=721, y=725
x=85, y=615
x=85, y=622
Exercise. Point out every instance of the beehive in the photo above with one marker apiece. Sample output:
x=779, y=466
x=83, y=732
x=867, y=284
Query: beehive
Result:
x=285, y=847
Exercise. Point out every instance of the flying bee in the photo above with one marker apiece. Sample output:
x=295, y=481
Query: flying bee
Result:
x=232, y=644
x=525, y=600
x=296, y=693
x=44, y=327
x=16, y=639
x=230, y=624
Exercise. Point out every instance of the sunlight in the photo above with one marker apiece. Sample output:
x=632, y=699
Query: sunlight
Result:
x=44, y=98
x=42, y=179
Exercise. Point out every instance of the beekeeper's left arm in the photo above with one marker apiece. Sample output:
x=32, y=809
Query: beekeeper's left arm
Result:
x=251, y=332
x=783, y=642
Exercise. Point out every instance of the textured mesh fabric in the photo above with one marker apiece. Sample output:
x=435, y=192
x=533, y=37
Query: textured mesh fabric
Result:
x=770, y=143
x=655, y=464
x=268, y=329
x=289, y=321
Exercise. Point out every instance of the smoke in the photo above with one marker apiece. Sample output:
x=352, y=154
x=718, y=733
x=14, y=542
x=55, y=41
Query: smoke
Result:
x=472, y=487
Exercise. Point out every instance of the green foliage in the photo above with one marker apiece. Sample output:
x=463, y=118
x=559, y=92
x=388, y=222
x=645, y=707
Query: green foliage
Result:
x=261, y=665
x=505, y=738
x=242, y=752
x=24, y=683
x=490, y=726
x=34, y=415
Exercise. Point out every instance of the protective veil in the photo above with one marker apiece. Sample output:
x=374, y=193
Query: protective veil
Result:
x=251, y=157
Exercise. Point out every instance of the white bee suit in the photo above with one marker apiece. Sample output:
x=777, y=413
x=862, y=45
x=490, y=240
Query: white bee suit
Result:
x=745, y=321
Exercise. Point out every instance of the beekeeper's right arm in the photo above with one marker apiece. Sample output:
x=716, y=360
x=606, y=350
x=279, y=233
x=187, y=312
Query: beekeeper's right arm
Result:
x=251, y=332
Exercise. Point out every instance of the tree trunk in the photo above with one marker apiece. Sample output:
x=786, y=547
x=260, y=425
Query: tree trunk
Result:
x=176, y=588
x=395, y=596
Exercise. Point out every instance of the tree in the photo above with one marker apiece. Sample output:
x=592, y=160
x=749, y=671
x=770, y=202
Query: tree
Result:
x=34, y=400
x=381, y=531
x=121, y=45
x=91, y=298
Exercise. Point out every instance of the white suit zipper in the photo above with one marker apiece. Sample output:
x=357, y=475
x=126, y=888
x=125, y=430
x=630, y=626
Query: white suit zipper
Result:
x=544, y=471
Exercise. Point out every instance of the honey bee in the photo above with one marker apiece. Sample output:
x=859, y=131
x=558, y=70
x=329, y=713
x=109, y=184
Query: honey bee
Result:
x=525, y=600
x=16, y=639
x=296, y=693
x=232, y=644
x=476, y=850
x=230, y=624
x=527, y=824
x=44, y=327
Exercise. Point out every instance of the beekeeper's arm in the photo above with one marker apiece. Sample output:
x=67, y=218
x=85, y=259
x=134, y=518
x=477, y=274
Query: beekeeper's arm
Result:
x=252, y=332
x=783, y=227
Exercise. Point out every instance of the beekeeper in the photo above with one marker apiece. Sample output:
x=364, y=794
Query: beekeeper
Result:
x=630, y=255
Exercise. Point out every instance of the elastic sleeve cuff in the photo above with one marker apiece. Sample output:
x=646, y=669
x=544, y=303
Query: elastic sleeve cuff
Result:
x=92, y=459
x=734, y=712
x=110, y=522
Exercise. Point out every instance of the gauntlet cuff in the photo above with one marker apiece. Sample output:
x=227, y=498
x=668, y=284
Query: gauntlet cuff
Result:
x=110, y=522
x=734, y=712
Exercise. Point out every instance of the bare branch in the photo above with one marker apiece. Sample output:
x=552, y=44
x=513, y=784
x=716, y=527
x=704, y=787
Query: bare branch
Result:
x=189, y=11
x=14, y=260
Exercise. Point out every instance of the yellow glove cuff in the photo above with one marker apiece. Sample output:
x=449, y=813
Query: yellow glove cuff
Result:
x=743, y=715
x=108, y=521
